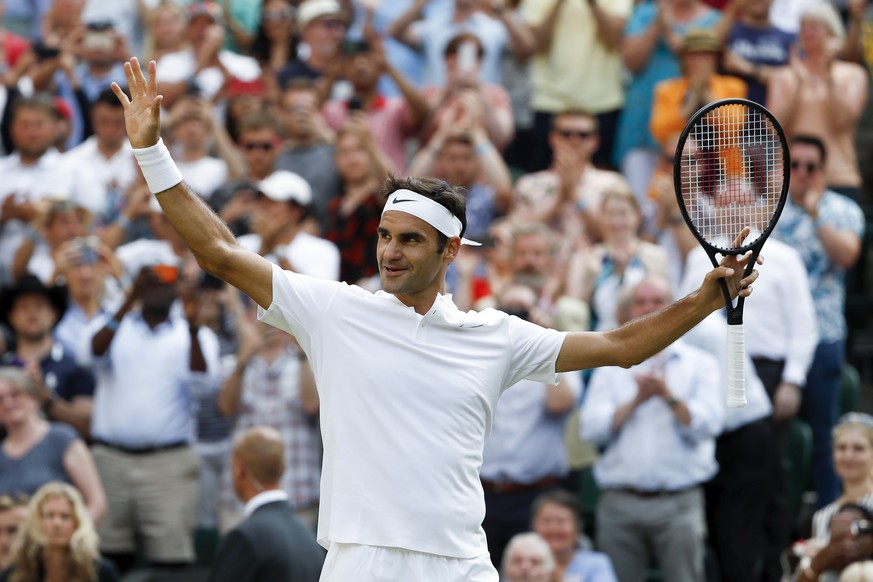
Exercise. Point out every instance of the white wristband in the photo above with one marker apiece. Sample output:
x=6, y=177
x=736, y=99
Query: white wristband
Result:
x=158, y=167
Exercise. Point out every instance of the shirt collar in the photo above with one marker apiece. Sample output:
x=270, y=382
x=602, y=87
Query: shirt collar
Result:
x=263, y=498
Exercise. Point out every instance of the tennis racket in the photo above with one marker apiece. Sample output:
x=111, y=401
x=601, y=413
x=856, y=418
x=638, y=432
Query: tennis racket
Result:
x=731, y=171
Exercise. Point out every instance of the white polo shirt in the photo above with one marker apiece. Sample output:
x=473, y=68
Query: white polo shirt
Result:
x=406, y=404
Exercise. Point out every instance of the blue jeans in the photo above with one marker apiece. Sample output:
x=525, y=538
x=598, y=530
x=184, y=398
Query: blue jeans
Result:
x=820, y=408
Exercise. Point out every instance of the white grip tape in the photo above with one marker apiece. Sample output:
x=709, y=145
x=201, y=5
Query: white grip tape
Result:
x=158, y=168
x=736, y=380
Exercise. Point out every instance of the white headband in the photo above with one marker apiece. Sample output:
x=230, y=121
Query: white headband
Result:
x=430, y=211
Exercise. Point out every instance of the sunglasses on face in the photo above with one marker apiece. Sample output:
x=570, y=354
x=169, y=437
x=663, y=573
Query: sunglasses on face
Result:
x=278, y=14
x=568, y=133
x=264, y=146
x=808, y=166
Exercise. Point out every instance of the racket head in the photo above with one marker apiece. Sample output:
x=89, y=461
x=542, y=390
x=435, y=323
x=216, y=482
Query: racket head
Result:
x=731, y=170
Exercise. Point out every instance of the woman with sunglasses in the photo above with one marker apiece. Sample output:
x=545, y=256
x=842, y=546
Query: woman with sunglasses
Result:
x=275, y=45
x=57, y=541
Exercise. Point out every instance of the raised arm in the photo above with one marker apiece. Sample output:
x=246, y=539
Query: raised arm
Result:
x=210, y=240
x=644, y=337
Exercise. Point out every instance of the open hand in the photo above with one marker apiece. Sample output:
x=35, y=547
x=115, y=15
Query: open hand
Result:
x=142, y=111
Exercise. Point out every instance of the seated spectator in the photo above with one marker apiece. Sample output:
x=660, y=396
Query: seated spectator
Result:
x=145, y=357
x=193, y=131
x=525, y=454
x=278, y=231
x=65, y=388
x=461, y=154
x=392, y=120
x=676, y=100
x=853, y=462
x=322, y=26
x=650, y=49
x=272, y=544
x=489, y=103
x=527, y=559
x=57, y=541
x=204, y=67
x=557, y=518
x=165, y=31
x=354, y=217
x=535, y=261
x=13, y=511
x=567, y=196
x=598, y=274
x=57, y=221
x=272, y=385
x=822, y=96
x=429, y=36
x=755, y=47
x=36, y=451
x=847, y=544
x=308, y=150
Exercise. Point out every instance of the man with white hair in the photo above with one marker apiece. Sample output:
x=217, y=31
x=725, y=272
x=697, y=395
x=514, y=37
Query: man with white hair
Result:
x=528, y=558
x=407, y=382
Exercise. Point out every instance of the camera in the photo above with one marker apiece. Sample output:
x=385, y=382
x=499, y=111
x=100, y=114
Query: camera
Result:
x=44, y=52
x=354, y=47
x=87, y=248
x=861, y=527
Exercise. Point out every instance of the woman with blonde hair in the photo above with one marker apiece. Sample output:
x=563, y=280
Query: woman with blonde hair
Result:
x=818, y=94
x=165, y=26
x=57, y=542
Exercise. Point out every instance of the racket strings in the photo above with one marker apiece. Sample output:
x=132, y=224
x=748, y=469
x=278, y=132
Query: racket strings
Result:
x=732, y=170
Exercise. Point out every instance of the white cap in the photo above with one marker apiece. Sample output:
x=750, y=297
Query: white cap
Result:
x=312, y=9
x=284, y=186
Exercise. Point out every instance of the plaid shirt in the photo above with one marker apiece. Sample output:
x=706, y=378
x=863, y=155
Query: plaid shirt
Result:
x=271, y=397
x=355, y=235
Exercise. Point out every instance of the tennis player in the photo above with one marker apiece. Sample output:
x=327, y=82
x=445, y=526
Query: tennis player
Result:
x=408, y=383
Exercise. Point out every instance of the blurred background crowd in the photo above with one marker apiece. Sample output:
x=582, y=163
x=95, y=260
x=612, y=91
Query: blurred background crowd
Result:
x=128, y=373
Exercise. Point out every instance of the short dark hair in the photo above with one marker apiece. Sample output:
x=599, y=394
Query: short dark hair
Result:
x=458, y=40
x=451, y=197
x=562, y=498
x=298, y=83
x=257, y=120
x=107, y=97
x=810, y=140
x=575, y=112
x=38, y=101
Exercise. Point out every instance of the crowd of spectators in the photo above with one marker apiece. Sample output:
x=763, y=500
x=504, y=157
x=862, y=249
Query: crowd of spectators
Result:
x=128, y=374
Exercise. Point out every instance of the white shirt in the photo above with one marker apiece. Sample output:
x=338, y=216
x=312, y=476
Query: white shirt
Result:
x=710, y=335
x=779, y=318
x=204, y=176
x=47, y=177
x=527, y=441
x=307, y=254
x=407, y=402
x=652, y=450
x=180, y=66
x=263, y=498
x=143, y=396
x=95, y=176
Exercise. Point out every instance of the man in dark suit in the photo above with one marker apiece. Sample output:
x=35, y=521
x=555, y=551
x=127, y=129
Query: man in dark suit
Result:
x=271, y=544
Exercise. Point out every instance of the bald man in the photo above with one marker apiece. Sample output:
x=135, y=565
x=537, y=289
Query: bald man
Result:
x=271, y=543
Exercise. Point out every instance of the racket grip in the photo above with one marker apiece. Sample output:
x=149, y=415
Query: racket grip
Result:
x=736, y=346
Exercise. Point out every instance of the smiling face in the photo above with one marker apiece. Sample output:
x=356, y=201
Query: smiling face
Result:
x=853, y=454
x=58, y=521
x=410, y=263
x=556, y=524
